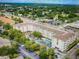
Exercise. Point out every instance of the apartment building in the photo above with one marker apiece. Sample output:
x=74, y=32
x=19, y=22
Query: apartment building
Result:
x=60, y=38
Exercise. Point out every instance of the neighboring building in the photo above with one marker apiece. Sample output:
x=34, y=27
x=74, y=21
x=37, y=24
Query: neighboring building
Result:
x=4, y=42
x=20, y=57
x=73, y=27
x=4, y=57
x=7, y=57
x=6, y=20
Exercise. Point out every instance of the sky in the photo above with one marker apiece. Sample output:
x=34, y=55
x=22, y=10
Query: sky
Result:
x=44, y=1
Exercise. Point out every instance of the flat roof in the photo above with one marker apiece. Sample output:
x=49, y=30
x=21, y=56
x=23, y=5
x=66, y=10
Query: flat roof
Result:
x=59, y=34
x=4, y=42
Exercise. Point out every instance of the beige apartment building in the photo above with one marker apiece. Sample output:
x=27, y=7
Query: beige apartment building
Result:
x=60, y=38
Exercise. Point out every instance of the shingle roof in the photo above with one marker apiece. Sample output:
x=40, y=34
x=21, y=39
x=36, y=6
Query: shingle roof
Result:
x=6, y=20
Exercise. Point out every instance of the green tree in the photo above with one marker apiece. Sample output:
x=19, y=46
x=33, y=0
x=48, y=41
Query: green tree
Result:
x=51, y=54
x=8, y=51
x=1, y=23
x=67, y=57
x=27, y=58
x=77, y=52
x=72, y=15
x=34, y=47
x=43, y=53
x=17, y=36
x=12, y=52
x=5, y=34
x=17, y=20
x=7, y=26
x=3, y=51
x=2, y=14
x=37, y=34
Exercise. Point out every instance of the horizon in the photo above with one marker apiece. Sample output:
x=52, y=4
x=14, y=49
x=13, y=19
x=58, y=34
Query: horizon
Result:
x=69, y=2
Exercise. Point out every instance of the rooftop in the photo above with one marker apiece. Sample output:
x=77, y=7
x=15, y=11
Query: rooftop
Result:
x=6, y=20
x=4, y=57
x=59, y=34
x=64, y=36
x=4, y=42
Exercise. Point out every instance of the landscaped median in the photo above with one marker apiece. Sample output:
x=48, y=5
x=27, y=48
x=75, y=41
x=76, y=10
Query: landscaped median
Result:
x=72, y=44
